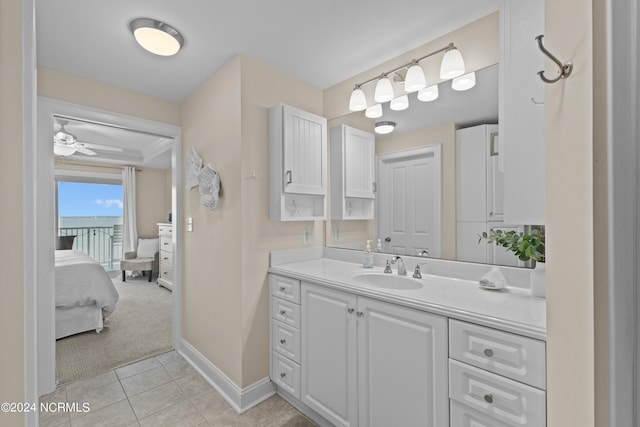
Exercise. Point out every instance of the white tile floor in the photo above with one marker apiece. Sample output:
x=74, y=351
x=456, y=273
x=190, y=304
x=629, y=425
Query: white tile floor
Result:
x=160, y=391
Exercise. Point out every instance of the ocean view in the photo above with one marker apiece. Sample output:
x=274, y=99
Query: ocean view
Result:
x=88, y=221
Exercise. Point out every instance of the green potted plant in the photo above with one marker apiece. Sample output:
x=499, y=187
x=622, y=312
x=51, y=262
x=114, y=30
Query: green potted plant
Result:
x=527, y=246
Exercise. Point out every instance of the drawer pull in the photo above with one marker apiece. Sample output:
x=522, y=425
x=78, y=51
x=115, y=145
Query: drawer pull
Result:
x=359, y=314
x=283, y=374
x=282, y=312
x=282, y=288
x=165, y=258
x=350, y=310
x=488, y=398
x=283, y=341
x=488, y=352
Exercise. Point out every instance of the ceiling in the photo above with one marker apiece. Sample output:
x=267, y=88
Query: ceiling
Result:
x=319, y=42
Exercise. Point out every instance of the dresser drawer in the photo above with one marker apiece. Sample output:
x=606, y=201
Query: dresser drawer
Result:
x=514, y=356
x=165, y=244
x=166, y=273
x=286, y=374
x=507, y=401
x=165, y=230
x=285, y=288
x=166, y=257
x=286, y=340
x=285, y=311
x=464, y=416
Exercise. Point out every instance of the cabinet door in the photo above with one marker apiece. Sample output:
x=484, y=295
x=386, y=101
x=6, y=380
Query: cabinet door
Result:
x=495, y=177
x=402, y=366
x=471, y=174
x=305, y=152
x=359, y=169
x=329, y=373
x=499, y=255
x=468, y=248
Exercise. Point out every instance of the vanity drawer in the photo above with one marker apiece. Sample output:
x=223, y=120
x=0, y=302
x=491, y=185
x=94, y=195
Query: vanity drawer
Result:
x=286, y=374
x=285, y=288
x=286, y=312
x=166, y=273
x=507, y=401
x=165, y=230
x=514, y=356
x=165, y=244
x=286, y=340
x=166, y=257
x=464, y=416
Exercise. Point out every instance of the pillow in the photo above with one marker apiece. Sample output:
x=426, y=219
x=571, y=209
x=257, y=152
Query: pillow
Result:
x=147, y=248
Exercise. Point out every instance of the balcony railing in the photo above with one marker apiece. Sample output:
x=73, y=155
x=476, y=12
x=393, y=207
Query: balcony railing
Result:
x=102, y=243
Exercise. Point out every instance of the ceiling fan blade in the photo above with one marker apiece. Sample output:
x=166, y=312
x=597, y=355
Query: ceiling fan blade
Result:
x=86, y=151
x=100, y=147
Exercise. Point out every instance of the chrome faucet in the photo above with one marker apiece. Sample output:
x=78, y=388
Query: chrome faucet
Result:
x=417, y=274
x=402, y=270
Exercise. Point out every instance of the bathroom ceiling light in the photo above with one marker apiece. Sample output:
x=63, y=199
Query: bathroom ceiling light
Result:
x=428, y=94
x=384, y=128
x=374, y=112
x=156, y=37
x=358, y=101
x=400, y=103
x=415, y=79
x=384, y=90
x=452, y=64
x=464, y=82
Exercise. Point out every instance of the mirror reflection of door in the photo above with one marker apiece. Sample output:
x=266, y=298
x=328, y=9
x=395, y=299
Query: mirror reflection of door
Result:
x=409, y=201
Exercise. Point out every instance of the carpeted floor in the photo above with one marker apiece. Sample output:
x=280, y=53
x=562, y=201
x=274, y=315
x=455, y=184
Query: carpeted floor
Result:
x=139, y=327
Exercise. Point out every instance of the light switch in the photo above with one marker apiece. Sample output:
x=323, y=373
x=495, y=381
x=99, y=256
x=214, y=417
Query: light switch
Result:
x=189, y=224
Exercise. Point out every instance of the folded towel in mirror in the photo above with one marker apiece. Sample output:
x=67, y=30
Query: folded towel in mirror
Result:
x=493, y=280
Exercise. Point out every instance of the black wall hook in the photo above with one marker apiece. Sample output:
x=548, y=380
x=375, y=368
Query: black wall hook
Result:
x=565, y=69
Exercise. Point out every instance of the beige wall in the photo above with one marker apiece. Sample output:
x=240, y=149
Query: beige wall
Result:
x=11, y=227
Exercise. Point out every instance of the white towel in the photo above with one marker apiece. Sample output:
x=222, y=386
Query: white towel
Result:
x=494, y=280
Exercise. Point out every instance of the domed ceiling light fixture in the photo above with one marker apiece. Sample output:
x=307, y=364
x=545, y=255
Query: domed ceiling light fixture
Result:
x=384, y=128
x=156, y=36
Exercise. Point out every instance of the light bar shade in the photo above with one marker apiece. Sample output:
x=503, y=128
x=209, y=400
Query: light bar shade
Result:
x=452, y=65
x=400, y=103
x=63, y=150
x=156, y=37
x=384, y=90
x=428, y=94
x=384, y=128
x=374, y=112
x=414, y=80
x=464, y=82
x=357, y=101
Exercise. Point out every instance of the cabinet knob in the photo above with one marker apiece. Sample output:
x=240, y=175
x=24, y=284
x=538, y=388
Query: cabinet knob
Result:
x=283, y=341
x=282, y=312
x=488, y=352
x=488, y=398
x=282, y=288
x=359, y=314
x=350, y=310
x=283, y=374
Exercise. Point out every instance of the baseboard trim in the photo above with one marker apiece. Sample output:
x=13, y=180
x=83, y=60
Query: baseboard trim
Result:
x=240, y=400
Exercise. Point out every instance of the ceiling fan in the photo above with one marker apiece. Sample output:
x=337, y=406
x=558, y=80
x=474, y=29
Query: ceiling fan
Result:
x=66, y=144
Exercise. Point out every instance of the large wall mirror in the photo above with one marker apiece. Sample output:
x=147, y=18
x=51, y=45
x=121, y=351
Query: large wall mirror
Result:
x=438, y=178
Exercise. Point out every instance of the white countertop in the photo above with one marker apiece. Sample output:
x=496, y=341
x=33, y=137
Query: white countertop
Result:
x=512, y=309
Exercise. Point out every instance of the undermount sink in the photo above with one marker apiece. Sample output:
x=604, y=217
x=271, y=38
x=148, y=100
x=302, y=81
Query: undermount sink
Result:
x=387, y=281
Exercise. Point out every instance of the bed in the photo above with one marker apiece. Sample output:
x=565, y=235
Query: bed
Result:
x=85, y=294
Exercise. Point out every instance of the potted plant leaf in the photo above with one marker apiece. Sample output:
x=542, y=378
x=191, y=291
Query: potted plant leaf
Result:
x=526, y=246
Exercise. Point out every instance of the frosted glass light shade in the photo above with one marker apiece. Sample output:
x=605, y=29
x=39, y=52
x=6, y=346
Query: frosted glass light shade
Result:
x=357, y=101
x=384, y=90
x=374, y=112
x=464, y=82
x=414, y=79
x=384, y=128
x=452, y=65
x=63, y=150
x=428, y=94
x=156, y=37
x=399, y=103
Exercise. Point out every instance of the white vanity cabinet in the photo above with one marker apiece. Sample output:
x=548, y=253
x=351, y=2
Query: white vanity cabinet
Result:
x=352, y=156
x=370, y=363
x=522, y=130
x=297, y=164
x=165, y=274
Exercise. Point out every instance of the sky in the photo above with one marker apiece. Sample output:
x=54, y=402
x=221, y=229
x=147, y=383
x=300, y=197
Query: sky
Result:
x=80, y=199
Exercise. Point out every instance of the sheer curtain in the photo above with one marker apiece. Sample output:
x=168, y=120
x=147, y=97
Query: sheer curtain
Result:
x=129, y=230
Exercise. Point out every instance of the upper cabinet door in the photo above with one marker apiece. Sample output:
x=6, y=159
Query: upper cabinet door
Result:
x=495, y=178
x=359, y=167
x=305, y=152
x=522, y=131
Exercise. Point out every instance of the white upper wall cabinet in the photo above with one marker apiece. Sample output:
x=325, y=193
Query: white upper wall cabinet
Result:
x=522, y=112
x=352, y=173
x=298, y=164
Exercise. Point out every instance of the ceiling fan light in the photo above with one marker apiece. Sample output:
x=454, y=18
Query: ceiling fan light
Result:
x=464, y=82
x=415, y=79
x=452, y=64
x=156, y=37
x=384, y=128
x=63, y=150
x=400, y=103
x=374, y=112
x=357, y=101
x=384, y=90
x=428, y=94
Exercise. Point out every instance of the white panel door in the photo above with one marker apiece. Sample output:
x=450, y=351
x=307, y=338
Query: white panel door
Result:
x=499, y=255
x=410, y=202
x=495, y=178
x=468, y=245
x=329, y=371
x=359, y=163
x=402, y=365
x=471, y=174
x=305, y=152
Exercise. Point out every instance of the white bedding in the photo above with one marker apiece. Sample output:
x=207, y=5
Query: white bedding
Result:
x=81, y=281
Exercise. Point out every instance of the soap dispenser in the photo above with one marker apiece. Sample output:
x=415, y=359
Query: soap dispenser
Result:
x=379, y=246
x=368, y=256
